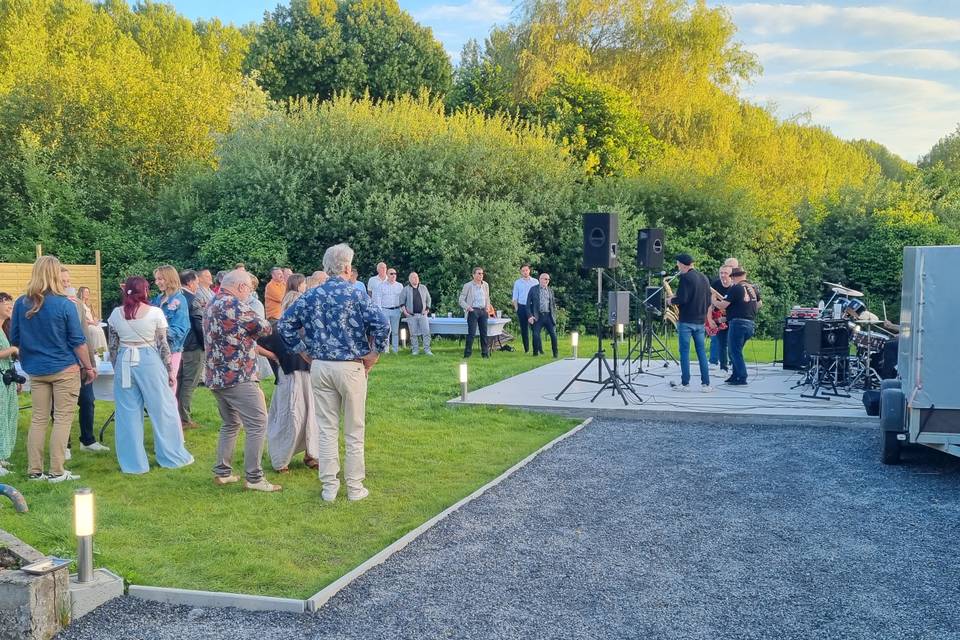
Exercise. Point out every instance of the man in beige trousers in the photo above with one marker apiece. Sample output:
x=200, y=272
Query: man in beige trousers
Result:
x=343, y=333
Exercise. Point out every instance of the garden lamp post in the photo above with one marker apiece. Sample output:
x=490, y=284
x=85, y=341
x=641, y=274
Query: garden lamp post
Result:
x=83, y=528
x=463, y=381
x=574, y=342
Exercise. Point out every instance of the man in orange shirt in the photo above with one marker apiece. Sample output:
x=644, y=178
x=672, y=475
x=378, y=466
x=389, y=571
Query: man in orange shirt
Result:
x=273, y=295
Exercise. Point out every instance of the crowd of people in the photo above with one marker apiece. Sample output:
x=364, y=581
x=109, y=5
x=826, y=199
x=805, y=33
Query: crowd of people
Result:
x=321, y=334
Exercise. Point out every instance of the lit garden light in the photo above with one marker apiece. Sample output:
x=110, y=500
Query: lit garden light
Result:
x=619, y=333
x=463, y=381
x=403, y=337
x=574, y=342
x=83, y=528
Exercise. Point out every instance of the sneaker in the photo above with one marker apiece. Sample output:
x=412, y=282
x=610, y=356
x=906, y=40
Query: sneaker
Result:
x=96, y=447
x=222, y=480
x=37, y=476
x=63, y=477
x=263, y=485
x=4, y=471
x=358, y=494
x=329, y=493
x=428, y=352
x=414, y=353
x=680, y=387
x=705, y=388
x=67, y=455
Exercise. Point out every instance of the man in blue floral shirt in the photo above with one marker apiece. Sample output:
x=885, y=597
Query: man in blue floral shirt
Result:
x=230, y=331
x=343, y=335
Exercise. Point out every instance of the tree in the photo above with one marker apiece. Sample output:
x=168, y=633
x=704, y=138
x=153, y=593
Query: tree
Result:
x=891, y=165
x=946, y=151
x=317, y=48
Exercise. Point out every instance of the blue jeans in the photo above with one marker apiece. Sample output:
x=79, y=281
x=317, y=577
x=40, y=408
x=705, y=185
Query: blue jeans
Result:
x=686, y=330
x=741, y=330
x=393, y=317
x=718, y=348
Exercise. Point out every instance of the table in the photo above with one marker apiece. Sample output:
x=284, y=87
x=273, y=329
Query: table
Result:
x=458, y=326
x=102, y=386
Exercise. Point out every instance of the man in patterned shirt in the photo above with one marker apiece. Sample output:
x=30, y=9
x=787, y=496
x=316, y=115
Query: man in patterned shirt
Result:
x=231, y=329
x=343, y=335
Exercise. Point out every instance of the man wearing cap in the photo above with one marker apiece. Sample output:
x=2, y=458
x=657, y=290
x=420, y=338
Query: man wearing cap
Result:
x=693, y=300
x=740, y=304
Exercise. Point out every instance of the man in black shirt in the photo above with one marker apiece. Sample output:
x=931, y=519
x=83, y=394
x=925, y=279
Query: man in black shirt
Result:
x=693, y=299
x=741, y=307
x=718, y=343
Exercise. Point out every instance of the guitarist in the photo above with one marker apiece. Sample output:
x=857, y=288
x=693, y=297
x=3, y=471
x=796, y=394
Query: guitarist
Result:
x=741, y=305
x=718, y=318
x=693, y=300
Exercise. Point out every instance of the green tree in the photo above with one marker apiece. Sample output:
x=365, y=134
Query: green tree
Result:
x=946, y=151
x=317, y=48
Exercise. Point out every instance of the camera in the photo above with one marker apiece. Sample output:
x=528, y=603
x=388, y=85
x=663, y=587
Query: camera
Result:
x=10, y=376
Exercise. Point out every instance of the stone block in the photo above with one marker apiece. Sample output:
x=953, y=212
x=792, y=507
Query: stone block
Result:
x=87, y=596
x=31, y=607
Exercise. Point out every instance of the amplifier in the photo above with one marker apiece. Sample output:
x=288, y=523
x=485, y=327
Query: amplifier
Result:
x=826, y=338
x=794, y=357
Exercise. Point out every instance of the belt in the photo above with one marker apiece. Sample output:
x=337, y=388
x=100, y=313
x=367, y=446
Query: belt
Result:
x=391, y=308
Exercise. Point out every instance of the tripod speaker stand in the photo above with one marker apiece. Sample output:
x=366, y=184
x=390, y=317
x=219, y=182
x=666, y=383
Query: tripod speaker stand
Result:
x=608, y=375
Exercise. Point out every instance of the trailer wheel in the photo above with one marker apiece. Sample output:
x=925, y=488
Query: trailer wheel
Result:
x=890, y=448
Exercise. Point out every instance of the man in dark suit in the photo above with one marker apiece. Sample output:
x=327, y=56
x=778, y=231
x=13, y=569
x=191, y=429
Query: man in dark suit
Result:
x=191, y=364
x=542, y=307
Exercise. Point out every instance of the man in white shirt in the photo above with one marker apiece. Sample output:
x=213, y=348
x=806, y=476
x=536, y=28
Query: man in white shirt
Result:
x=474, y=300
x=373, y=284
x=390, y=293
x=521, y=289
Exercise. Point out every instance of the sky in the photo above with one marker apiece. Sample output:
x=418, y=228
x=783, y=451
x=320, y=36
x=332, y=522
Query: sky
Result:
x=886, y=71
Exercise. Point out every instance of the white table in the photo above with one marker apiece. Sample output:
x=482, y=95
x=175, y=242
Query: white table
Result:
x=458, y=326
x=102, y=386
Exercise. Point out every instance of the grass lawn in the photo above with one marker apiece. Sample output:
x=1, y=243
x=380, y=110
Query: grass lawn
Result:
x=176, y=529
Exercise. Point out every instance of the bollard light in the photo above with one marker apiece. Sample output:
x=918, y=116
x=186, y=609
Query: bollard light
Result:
x=84, y=526
x=463, y=381
x=403, y=337
x=619, y=333
x=574, y=342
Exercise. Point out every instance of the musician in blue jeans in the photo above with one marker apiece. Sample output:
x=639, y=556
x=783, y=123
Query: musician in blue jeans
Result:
x=693, y=300
x=741, y=305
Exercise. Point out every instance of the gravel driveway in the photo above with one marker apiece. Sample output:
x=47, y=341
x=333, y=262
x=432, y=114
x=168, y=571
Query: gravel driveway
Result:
x=653, y=530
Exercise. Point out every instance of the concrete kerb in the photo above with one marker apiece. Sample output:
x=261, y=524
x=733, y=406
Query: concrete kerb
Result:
x=215, y=599
x=322, y=596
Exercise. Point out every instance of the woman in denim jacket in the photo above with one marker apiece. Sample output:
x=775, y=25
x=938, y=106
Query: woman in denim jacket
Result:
x=174, y=306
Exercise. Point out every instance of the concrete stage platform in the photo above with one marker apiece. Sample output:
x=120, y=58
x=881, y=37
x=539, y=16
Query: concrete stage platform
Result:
x=767, y=398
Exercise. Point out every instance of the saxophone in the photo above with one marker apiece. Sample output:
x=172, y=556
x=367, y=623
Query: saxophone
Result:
x=671, y=312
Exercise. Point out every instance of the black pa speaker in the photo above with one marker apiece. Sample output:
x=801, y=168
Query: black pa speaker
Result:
x=794, y=357
x=650, y=249
x=654, y=298
x=600, y=240
x=826, y=338
x=619, y=306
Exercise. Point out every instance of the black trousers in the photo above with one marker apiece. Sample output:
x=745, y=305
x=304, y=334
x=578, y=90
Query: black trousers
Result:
x=545, y=322
x=86, y=403
x=523, y=317
x=476, y=319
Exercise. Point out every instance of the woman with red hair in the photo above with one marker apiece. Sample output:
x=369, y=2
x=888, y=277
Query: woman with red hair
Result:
x=141, y=358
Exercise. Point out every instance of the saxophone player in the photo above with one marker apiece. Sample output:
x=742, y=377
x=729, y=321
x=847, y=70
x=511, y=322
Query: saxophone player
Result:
x=693, y=299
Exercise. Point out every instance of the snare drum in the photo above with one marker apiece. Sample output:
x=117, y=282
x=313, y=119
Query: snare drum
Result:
x=854, y=307
x=871, y=341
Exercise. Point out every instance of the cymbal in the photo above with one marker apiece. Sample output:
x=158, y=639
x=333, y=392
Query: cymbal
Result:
x=842, y=290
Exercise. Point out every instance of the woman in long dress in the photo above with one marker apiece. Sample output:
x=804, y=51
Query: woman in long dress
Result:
x=292, y=420
x=91, y=324
x=9, y=409
x=141, y=359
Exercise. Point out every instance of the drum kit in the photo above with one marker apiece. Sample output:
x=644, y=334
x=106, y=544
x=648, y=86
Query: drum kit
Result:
x=865, y=330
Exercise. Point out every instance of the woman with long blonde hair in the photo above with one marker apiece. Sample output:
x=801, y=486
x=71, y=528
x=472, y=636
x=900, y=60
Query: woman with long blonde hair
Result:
x=174, y=306
x=46, y=329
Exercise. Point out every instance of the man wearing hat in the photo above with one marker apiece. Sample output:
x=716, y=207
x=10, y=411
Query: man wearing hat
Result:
x=740, y=304
x=693, y=300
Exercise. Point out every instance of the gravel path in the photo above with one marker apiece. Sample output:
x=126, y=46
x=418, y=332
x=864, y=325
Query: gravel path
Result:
x=659, y=531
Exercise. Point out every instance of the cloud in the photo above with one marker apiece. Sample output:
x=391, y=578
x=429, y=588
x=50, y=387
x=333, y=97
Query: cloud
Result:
x=477, y=11
x=766, y=19
x=932, y=59
x=908, y=115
